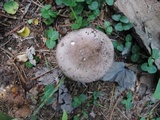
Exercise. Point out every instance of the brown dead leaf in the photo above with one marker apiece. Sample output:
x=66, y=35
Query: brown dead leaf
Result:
x=23, y=112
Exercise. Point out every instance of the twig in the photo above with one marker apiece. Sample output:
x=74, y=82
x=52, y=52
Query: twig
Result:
x=111, y=114
x=15, y=29
x=34, y=78
x=26, y=9
x=5, y=43
x=37, y=4
x=19, y=73
x=7, y=16
x=122, y=113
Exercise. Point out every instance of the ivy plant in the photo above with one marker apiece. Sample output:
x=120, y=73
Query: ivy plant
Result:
x=149, y=65
x=123, y=22
x=48, y=14
x=51, y=36
x=77, y=101
x=11, y=7
x=128, y=102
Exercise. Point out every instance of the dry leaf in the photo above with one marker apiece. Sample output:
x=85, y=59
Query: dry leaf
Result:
x=22, y=58
x=24, y=32
x=36, y=21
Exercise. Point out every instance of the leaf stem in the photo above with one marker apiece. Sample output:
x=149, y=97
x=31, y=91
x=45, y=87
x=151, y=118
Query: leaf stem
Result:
x=73, y=13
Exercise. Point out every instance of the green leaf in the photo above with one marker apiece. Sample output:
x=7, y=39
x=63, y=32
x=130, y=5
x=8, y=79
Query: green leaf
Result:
x=120, y=47
x=88, y=1
x=116, y=17
x=93, y=5
x=78, y=8
x=64, y=116
x=77, y=23
x=58, y=2
x=144, y=66
x=135, y=57
x=115, y=44
x=150, y=61
x=119, y=27
x=143, y=118
x=11, y=7
x=128, y=38
x=155, y=53
x=109, y=30
x=70, y=3
x=52, y=13
x=152, y=69
x=110, y=2
x=28, y=64
x=82, y=98
x=50, y=44
x=135, y=49
x=46, y=7
x=157, y=91
x=124, y=19
x=51, y=34
x=128, y=44
x=49, y=21
x=106, y=24
x=127, y=26
x=80, y=0
x=128, y=101
x=4, y=116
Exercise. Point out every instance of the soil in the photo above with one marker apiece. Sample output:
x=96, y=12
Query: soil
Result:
x=21, y=93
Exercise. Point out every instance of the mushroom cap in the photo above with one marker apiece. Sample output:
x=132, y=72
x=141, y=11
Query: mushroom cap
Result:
x=85, y=55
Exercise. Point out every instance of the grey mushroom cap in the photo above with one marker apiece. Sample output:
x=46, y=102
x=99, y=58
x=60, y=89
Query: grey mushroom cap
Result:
x=85, y=55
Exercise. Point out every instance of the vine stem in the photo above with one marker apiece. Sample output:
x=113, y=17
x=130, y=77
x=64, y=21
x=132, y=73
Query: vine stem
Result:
x=73, y=12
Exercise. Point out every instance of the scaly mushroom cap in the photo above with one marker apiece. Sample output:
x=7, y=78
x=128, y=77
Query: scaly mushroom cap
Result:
x=85, y=55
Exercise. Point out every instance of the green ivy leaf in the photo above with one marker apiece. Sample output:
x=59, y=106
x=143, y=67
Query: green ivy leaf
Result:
x=70, y=3
x=64, y=116
x=52, y=13
x=155, y=53
x=120, y=47
x=11, y=7
x=115, y=44
x=110, y=2
x=128, y=101
x=59, y=2
x=28, y=64
x=82, y=97
x=127, y=26
x=78, y=8
x=116, y=17
x=106, y=24
x=119, y=27
x=157, y=91
x=124, y=19
x=50, y=44
x=51, y=34
x=109, y=30
x=88, y=1
x=152, y=69
x=135, y=49
x=135, y=57
x=128, y=38
x=128, y=44
x=144, y=67
x=93, y=5
x=77, y=23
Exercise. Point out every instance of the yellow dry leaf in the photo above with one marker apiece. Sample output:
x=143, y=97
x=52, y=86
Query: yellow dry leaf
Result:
x=22, y=57
x=36, y=21
x=24, y=32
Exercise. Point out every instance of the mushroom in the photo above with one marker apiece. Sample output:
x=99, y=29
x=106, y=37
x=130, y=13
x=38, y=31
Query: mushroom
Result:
x=85, y=55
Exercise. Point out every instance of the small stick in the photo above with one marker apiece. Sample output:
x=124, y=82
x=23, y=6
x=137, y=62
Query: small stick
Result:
x=34, y=78
x=110, y=117
x=15, y=29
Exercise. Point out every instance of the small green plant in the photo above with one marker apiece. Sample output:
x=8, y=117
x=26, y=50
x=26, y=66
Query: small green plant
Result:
x=28, y=64
x=108, y=28
x=47, y=97
x=120, y=46
x=135, y=53
x=51, y=36
x=64, y=116
x=11, y=7
x=128, y=102
x=123, y=22
x=149, y=65
x=96, y=95
x=77, y=101
x=48, y=14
